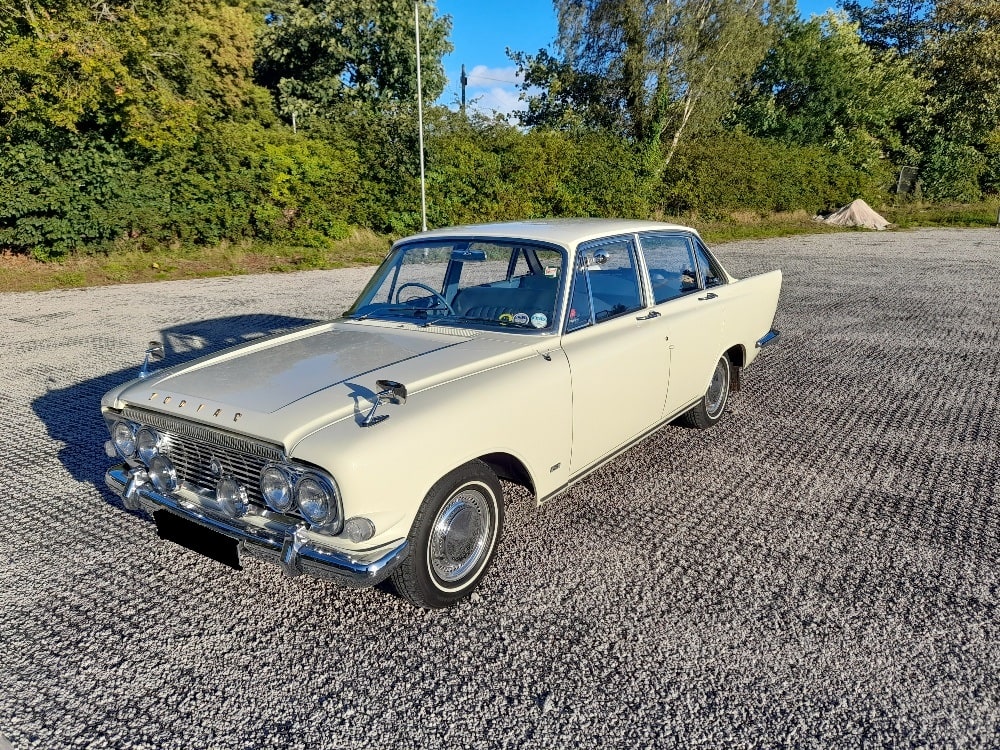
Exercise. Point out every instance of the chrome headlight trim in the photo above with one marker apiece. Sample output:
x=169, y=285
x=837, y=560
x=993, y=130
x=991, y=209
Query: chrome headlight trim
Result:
x=147, y=444
x=321, y=508
x=280, y=494
x=123, y=434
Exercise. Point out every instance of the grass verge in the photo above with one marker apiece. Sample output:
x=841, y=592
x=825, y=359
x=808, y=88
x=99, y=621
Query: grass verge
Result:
x=21, y=274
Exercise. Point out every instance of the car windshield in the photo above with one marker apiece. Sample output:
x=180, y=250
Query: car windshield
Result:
x=502, y=284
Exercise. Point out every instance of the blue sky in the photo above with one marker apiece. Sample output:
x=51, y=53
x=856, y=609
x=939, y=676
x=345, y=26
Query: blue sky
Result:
x=481, y=31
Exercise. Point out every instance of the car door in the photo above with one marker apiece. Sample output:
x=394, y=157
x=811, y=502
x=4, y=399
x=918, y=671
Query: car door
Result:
x=688, y=289
x=616, y=352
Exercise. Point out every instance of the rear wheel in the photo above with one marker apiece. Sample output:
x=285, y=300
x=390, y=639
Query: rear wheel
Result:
x=712, y=405
x=453, y=539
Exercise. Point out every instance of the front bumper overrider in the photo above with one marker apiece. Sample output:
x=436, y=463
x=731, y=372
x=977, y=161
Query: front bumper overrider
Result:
x=290, y=545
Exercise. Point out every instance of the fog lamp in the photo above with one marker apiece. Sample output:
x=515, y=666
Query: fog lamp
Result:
x=276, y=487
x=359, y=529
x=123, y=436
x=232, y=496
x=162, y=473
x=147, y=443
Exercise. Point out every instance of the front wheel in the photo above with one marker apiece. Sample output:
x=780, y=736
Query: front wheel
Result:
x=710, y=408
x=453, y=539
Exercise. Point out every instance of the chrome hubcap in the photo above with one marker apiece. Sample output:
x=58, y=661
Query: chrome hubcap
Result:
x=715, y=399
x=460, y=535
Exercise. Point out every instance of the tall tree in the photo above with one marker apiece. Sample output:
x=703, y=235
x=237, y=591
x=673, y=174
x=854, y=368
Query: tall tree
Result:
x=964, y=61
x=901, y=25
x=822, y=86
x=142, y=73
x=659, y=69
x=316, y=54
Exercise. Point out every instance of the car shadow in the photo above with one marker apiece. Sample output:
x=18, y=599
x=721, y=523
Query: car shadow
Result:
x=72, y=416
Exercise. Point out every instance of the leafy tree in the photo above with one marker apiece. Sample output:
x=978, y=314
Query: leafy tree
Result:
x=143, y=73
x=316, y=54
x=656, y=69
x=901, y=25
x=963, y=56
x=821, y=85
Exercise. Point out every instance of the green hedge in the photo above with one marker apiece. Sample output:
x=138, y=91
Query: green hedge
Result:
x=239, y=181
x=737, y=172
x=244, y=181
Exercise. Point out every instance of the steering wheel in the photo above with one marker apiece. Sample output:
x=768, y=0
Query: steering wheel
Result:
x=418, y=285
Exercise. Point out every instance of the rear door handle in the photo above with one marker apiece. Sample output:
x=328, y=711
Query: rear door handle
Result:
x=649, y=316
x=710, y=295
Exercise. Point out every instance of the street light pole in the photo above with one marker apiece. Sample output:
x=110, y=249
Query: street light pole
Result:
x=420, y=121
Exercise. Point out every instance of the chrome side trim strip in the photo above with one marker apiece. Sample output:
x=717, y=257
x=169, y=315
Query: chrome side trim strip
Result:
x=284, y=544
x=588, y=470
x=771, y=338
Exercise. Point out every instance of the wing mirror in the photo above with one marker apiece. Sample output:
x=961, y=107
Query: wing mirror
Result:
x=600, y=258
x=154, y=353
x=389, y=391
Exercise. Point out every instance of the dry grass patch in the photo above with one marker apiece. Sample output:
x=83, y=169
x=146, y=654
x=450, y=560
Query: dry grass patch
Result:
x=19, y=273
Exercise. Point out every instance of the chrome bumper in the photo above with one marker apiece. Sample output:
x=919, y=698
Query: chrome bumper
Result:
x=771, y=338
x=288, y=545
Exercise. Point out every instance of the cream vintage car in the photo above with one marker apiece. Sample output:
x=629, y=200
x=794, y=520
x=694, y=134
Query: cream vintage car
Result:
x=371, y=447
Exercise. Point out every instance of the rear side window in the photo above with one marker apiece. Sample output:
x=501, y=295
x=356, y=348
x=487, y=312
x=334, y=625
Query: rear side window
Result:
x=711, y=274
x=673, y=269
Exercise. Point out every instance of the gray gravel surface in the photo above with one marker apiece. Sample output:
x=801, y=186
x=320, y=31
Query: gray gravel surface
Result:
x=819, y=570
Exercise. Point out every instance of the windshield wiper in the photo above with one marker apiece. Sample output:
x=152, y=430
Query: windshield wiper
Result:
x=406, y=310
x=445, y=319
x=467, y=319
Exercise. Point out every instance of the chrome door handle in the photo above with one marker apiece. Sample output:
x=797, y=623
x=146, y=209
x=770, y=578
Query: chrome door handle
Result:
x=649, y=316
x=710, y=295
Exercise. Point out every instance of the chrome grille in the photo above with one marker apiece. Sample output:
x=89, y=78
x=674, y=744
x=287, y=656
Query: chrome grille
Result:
x=191, y=448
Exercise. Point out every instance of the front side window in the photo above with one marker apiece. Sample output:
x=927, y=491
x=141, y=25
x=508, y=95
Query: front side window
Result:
x=462, y=282
x=606, y=284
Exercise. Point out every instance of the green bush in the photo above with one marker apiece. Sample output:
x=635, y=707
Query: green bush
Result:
x=59, y=196
x=952, y=171
x=736, y=172
x=239, y=181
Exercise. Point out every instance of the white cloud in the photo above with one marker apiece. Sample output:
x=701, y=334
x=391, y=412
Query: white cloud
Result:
x=497, y=99
x=493, y=90
x=482, y=76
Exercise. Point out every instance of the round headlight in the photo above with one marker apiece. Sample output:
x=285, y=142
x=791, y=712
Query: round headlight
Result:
x=232, y=496
x=162, y=473
x=123, y=436
x=147, y=443
x=317, y=500
x=276, y=487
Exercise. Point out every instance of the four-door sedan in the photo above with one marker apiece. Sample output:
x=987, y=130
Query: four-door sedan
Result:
x=370, y=447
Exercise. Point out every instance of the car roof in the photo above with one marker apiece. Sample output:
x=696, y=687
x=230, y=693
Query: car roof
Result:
x=566, y=232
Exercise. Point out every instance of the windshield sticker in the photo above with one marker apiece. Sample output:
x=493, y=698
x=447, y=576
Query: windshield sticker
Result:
x=506, y=318
x=522, y=319
x=551, y=271
x=539, y=320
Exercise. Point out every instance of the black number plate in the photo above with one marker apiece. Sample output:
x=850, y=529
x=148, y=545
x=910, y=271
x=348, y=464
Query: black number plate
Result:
x=197, y=538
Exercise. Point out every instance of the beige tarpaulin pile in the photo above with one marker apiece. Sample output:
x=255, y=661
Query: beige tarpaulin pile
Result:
x=857, y=214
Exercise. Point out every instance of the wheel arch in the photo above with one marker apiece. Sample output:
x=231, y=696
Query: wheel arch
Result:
x=737, y=356
x=510, y=468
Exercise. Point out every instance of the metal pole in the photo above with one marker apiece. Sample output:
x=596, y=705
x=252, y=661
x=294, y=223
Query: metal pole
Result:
x=420, y=121
x=464, y=81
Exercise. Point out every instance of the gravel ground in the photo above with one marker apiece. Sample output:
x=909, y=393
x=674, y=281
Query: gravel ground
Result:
x=818, y=570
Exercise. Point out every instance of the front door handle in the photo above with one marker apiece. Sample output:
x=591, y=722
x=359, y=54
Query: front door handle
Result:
x=649, y=316
x=710, y=295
